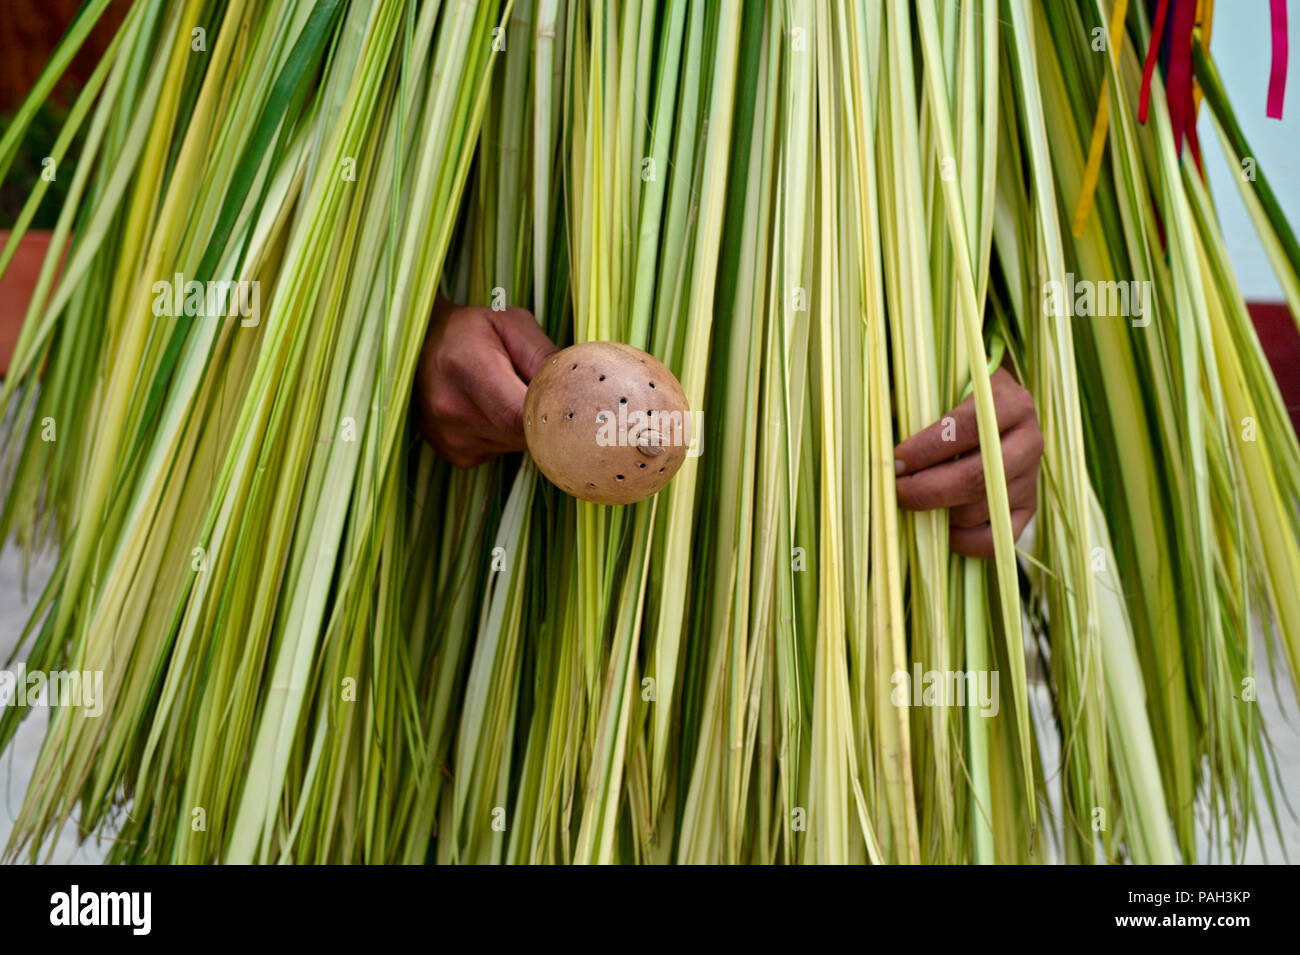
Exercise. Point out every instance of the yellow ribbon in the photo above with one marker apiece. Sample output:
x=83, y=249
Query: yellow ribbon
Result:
x=1083, y=208
x=1204, y=22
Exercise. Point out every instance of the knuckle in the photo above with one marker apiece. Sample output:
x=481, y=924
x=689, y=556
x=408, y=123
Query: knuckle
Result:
x=456, y=321
x=442, y=404
x=449, y=365
x=458, y=362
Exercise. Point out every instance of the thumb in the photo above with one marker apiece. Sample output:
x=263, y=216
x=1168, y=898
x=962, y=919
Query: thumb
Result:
x=524, y=340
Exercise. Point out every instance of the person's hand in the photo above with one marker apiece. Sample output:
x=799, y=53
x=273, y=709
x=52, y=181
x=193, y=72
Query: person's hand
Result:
x=471, y=380
x=929, y=477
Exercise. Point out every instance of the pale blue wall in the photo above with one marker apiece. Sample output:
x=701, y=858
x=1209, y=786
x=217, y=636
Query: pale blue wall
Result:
x=1241, y=44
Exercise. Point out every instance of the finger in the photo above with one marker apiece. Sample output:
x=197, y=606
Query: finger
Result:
x=474, y=440
x=978, y=541
x=499, y=393
x=464, y=446
x=958, y=431
x=444, y=410
x=495, y=448
x=955, y=433
x=524, y=340
x=1022, y=492
x=456, y=452
x=954, y=483
x=466, y=461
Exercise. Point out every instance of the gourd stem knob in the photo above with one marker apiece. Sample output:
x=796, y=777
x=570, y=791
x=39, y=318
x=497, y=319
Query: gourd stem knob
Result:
x=650, y=448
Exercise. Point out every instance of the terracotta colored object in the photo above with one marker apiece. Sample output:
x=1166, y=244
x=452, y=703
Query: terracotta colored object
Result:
x=16, y=288
x=30, y=31
x=1281, y=343
x=606, y=422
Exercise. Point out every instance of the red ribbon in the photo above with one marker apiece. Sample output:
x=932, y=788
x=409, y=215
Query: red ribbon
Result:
x=1149, y=67
x=1178, y=79
x=1178, y=75
x=1277, y=76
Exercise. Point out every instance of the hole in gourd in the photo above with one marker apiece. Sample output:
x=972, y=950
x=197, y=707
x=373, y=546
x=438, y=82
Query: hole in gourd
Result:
x=602, y=378
x=569, y=416
x=619, y=476
x=641, y=465
x=622, y=401
x=543, y=419
x=652, y=384
x=574, y=368
x=591, y=484
x=661, y=470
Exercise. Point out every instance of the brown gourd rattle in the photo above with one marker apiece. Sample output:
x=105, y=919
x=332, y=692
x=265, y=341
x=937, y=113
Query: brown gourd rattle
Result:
x=606, y=422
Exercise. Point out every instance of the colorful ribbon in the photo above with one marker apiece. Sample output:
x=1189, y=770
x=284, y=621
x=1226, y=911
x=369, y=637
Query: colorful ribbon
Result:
x=1277, y=75
x=1100, y=124
x=1149, y=67
x=1204, y=24
x=1181, y=97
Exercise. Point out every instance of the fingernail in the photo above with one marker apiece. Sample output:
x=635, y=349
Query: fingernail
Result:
x=899, y=467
